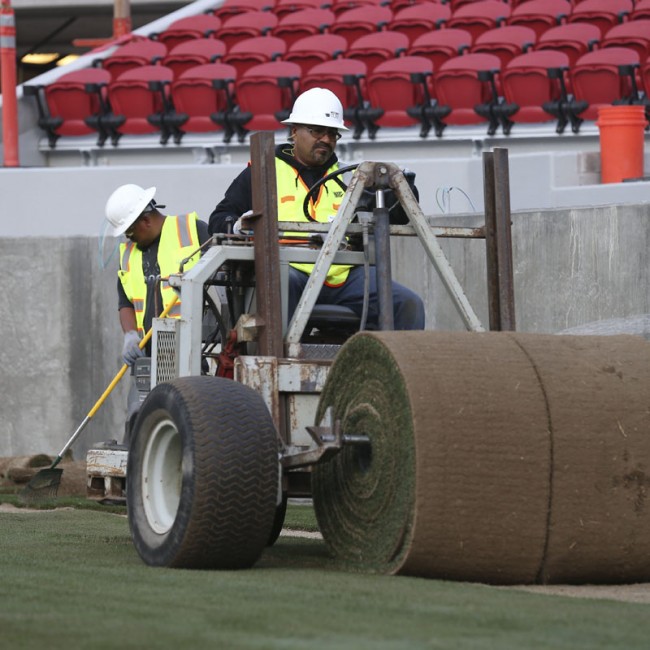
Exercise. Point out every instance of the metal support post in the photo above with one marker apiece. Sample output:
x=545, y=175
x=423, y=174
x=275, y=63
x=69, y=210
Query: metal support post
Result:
x=8, y=87
x=383, y=263
x=121, y=18
x=498, y=241
x=265, y=238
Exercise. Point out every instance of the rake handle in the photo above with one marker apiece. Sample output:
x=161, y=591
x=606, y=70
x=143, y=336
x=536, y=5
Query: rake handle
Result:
x=109, y=389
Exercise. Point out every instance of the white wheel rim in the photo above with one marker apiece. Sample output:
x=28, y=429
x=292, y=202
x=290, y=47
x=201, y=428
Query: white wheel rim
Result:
x=162, y=476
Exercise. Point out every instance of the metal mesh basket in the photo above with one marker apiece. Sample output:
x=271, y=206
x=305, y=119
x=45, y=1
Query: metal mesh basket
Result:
x=164, y=355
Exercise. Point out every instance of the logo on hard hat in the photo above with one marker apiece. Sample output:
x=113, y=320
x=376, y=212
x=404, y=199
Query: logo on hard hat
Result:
x=333, y=114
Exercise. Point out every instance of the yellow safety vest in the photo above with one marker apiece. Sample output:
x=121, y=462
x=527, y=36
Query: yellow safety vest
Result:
x=179, y=238
x=292, y=191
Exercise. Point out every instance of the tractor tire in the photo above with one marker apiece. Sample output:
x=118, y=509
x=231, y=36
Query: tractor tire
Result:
x=202, y=475
x=278, y=520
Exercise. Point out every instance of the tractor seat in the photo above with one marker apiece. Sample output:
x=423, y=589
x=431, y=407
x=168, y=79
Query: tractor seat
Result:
x=333, y=317
x=331, y=324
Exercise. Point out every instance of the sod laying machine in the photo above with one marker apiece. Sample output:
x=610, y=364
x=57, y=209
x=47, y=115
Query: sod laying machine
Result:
x=477, y=455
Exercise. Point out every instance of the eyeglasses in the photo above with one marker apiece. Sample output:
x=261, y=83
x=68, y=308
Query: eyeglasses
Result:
x=319, y=132
x=131, y=229
x=151, y=207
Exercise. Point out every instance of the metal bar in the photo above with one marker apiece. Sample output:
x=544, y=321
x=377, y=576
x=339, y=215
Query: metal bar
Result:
x=383, y=264
x=498, y=240
x=504, y=239
x=494, y=312
x=267, y=256
x=403, y=230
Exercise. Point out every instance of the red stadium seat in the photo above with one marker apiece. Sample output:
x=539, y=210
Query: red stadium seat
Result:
x=540, y=15
x=534, y=88
x=505, y=42
x=354, y=23
x=441, y=45
x=139, y=100
x=478, y=17
x=73, y=104
x=133, y=55
x=392, y=89
x=340, y=6
x=455, y=4
x=378, y=47
x=574, y=40
x=190, y=27
x=265, y=95
x=246, y=25
x=346, y=78
x=284, y=7
x=602, y=13
x=419, y=19
x=248, y=52
x=203, y=100
x=309, y=51
x=233, y=7
x=299, y=24
x=634, y=34
x=641, y=10
x=605, y=77
x=195, y=52
x=466, y=83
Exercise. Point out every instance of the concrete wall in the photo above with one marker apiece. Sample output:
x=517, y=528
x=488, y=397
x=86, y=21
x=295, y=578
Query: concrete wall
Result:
x=69, y=201
x=571, y=267
x=61, y=342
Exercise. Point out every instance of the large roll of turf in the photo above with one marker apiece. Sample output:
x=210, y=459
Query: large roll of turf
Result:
x=496, y=457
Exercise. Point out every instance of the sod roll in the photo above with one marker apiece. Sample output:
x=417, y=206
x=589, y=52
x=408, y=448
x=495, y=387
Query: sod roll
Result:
x=9, y=463
x=496, y=457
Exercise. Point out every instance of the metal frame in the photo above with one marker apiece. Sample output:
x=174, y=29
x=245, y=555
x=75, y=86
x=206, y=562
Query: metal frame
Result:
x=279, y=370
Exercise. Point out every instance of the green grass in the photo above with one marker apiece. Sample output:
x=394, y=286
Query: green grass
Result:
x=72, y=579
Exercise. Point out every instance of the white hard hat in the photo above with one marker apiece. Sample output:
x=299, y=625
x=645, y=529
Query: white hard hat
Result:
x=317, y=106
x=125, y=205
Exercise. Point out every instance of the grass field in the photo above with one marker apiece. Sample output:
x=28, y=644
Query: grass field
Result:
x=70, y=578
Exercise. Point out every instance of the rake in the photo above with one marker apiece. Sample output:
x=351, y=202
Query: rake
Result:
x=45, y=483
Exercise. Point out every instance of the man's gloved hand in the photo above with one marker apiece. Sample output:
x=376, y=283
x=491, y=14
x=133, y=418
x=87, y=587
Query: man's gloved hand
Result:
x=242, y=223
x=131, y=350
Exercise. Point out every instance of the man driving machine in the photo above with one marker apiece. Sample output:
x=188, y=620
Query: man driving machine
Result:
x=315, y=122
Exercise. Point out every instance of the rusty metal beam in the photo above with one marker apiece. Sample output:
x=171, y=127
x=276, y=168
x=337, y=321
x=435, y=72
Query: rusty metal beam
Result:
x=498, y=240
x=265, y=237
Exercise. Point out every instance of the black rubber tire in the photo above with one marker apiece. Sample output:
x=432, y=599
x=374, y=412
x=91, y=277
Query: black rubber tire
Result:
x=278, y=520
x=202, y=475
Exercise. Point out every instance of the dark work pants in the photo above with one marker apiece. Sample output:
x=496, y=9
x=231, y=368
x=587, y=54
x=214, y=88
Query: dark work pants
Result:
x=408, y=308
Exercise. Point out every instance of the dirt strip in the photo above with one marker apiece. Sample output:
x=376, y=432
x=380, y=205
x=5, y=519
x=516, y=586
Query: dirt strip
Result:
x=8, y=507
x=636, y=593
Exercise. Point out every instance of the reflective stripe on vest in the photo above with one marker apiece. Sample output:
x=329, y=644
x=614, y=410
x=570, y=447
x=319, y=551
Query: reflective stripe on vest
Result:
x=179, y=238
x=291, y=196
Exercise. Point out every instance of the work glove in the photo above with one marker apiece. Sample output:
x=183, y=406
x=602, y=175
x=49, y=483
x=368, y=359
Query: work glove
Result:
x=131, y=350
x=242, y=224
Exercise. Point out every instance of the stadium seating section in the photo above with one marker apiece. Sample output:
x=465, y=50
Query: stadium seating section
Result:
x=425, y=64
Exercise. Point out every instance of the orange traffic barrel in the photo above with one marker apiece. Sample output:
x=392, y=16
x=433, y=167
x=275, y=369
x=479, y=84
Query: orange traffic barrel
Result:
x=621, y=142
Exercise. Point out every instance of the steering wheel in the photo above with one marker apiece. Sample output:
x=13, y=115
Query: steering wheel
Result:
x=335, y=174
x=328, y=177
